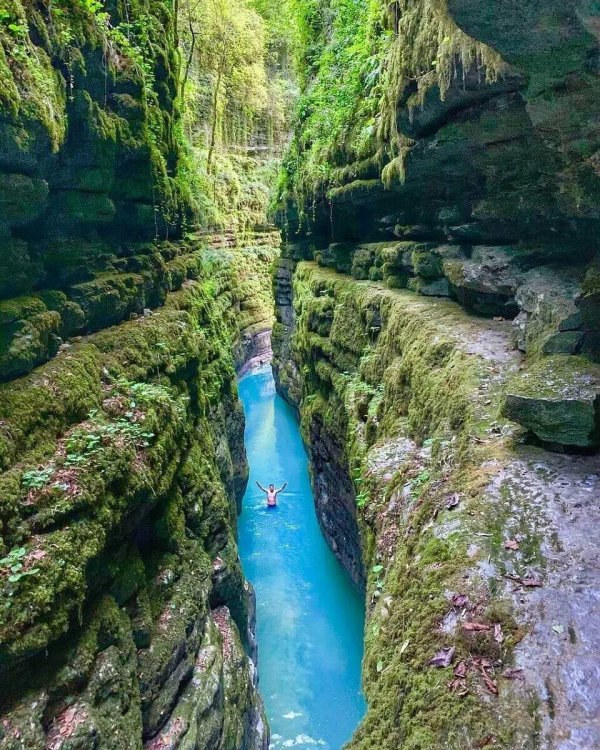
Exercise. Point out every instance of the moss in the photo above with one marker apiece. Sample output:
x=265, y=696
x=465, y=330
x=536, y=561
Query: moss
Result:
x=591, y=282
x=556, y=399
x=141, y=395
x=397, y=389
x=426, y=264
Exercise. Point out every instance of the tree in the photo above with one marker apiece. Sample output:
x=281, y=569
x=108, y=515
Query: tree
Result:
x=238, y=96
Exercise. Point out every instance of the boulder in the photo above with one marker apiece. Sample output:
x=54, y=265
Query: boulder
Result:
x=487, y=282
x=550, y=319
x=558, y=400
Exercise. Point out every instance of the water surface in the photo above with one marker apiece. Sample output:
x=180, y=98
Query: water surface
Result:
x=309, y=616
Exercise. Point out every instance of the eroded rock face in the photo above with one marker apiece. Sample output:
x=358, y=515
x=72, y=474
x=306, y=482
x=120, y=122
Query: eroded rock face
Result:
x=473, y=542
x=88, y=173
x=499, y=177
x=558, y=399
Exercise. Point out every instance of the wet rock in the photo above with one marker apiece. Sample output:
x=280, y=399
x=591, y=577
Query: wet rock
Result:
x=548, y=298
x=335, y=499
x=431, y=288
x=568, y=342
x=487, y=282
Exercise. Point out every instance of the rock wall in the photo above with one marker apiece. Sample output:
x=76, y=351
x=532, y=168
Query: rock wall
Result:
x=468, y=168
x=126, y=621
x=89, y=168
x=480, y=581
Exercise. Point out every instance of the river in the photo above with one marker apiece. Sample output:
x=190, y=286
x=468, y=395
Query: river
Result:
x=310, y=617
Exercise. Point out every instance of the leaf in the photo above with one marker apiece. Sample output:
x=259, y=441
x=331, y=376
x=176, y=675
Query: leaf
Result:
x=461, y=669
x=511, y=544
x=459, y=687
x=513, y=674
x=460, y=600
x=443, y=658
x=380, y=666
x=531, y=582
x=452, y=501
x=489, y=683
x=475, y=627
x=560, y=629
x=377, y=568
x=404, y=646
x=486, y=742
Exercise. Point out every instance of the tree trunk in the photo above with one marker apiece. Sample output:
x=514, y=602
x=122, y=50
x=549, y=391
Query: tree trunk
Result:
x=215, y=115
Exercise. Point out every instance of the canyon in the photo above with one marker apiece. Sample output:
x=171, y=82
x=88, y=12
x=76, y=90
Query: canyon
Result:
x=427, y=287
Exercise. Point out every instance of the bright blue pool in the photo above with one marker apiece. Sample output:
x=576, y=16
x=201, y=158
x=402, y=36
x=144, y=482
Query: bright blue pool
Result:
x=309, y=615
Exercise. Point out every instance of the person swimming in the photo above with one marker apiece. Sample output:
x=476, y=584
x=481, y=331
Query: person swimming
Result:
x=272, y=493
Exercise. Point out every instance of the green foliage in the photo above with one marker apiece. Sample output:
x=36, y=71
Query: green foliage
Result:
x=341, y=65
x=35, y=479
x=237, y=92
x=357, y=58
x=12, y=566
x=30, y=85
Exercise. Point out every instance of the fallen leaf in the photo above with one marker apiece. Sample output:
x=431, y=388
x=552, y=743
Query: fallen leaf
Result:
x=498, y=634
x=404, y=646
x=531, y=582
x=560, y=629
x=473, y=627
x=459, y=687
x=523, y=581
x=460, y=600
x=486, y=741
x=512, y=674
x=461, y=669
x=380, y=666
x=452, y=501
x=443, y=658
x=511, y=544
x=489, y=683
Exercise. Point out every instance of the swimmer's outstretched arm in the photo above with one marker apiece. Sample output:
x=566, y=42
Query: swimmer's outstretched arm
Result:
x=260, y=487
x=282, y=488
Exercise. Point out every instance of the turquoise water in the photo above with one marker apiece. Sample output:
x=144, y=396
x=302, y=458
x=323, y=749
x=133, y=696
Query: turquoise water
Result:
x=309, y=615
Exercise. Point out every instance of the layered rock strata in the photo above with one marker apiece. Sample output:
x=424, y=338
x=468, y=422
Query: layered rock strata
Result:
x=480, y=579
x=469, y=170
x=126, y=620
x=90, y=150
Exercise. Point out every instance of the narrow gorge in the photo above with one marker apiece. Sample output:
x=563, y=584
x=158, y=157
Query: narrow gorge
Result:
x=395, y=205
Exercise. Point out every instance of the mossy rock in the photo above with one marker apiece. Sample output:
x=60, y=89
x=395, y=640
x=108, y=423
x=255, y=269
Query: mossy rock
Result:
x=427, y=264
x=29, y=342
x=22, y=199
x=558, y=400
x=26, y=270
